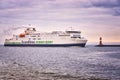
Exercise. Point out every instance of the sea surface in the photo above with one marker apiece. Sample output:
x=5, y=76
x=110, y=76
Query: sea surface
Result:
x=103, y=62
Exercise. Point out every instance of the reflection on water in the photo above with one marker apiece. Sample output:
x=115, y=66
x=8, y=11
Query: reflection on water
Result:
x=90, y=61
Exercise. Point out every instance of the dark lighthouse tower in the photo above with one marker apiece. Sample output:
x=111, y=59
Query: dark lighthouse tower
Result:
x=100, y=43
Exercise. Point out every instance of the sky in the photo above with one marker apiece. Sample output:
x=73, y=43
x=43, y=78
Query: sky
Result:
x=94, y=18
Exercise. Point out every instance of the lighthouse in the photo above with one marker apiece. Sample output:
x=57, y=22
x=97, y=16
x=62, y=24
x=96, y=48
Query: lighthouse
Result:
x=100, y=43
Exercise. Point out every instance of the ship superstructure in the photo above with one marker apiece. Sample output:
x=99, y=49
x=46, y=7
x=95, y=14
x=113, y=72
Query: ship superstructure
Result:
x=31, y=37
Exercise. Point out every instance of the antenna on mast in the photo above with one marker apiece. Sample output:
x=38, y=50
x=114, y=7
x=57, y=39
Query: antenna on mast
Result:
x=29, y=24
x=71, y=28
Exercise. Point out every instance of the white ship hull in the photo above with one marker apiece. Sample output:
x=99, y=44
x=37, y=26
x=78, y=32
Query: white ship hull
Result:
x=81, y=43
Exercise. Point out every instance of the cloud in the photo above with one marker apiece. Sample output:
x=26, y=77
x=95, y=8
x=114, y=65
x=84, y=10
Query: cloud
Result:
x=54, y=10
x=91, y=13
x=13, y=4
x=9, y=4
x=116, y=11
x=4, y=4
x=106, y=3
x=111, y=5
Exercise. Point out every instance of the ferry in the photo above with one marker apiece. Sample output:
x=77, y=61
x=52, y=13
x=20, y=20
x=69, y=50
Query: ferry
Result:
x=31, y=37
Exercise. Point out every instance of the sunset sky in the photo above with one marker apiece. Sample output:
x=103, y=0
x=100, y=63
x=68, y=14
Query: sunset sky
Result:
x=95, y=18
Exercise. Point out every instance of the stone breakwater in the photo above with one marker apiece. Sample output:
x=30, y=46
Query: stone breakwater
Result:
x=15, y=71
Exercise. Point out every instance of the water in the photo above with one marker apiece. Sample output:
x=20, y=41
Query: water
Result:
x=101, y=62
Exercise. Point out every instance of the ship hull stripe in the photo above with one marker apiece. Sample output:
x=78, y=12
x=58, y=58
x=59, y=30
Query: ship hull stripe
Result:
x=46, y=45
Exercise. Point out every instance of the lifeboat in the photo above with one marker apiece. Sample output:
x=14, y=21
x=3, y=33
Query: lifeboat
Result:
x=22, y=35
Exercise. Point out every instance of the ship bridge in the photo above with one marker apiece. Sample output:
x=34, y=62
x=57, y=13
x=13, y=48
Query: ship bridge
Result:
x=30, y=30
x=74, y=34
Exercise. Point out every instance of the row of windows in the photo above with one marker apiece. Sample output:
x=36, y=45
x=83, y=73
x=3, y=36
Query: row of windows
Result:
x=35, y=35
x=34, y=38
